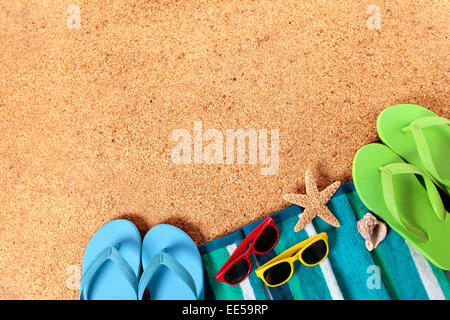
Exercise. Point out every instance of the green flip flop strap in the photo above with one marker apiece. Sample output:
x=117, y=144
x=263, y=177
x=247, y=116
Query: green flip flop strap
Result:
x=387, y=173
x=416, y=127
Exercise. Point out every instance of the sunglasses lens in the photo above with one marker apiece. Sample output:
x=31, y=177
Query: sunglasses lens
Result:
x=315, y=252
x=237, y=271
x=266, y=239
x=277, y=273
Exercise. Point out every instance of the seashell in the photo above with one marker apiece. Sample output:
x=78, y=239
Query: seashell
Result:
x=372, y=230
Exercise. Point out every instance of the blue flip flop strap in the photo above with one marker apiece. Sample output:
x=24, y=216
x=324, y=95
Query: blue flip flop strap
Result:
x=164, y=259
x=106, y=254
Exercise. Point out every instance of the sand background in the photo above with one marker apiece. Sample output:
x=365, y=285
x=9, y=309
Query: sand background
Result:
x=86, y=115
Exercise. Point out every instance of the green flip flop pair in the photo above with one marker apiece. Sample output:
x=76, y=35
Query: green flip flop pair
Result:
x=405, y=181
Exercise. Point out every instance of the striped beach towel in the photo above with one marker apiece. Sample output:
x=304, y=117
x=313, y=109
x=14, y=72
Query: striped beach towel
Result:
x=394, y=270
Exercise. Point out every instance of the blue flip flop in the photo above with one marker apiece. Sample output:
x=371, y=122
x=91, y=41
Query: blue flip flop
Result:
x=112, y=263
x=173, y=268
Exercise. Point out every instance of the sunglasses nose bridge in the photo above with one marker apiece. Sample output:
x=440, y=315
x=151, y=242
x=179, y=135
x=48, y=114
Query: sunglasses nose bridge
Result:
x=297, y=256
x=250, y=249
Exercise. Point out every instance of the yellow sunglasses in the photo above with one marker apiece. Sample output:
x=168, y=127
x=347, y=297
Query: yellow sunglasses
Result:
x=279, y=270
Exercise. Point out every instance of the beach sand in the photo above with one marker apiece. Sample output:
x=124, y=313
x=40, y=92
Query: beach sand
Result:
x=87, y=114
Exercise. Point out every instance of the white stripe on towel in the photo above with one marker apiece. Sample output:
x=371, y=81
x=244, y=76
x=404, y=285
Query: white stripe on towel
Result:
x=246, y=287
x=327, y=271
x=426, y=274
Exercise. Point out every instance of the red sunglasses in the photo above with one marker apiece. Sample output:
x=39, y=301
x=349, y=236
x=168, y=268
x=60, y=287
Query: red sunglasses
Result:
x=260, y=241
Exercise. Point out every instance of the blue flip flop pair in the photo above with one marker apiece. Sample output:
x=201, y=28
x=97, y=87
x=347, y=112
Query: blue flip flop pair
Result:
x=172, y=265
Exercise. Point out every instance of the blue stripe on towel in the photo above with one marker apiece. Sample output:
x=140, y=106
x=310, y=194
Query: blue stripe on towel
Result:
x=394, y=253
x=348, y=256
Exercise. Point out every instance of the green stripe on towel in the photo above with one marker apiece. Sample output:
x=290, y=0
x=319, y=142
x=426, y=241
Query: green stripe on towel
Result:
x=377, y=254
x=214, y=261
x=444, y=283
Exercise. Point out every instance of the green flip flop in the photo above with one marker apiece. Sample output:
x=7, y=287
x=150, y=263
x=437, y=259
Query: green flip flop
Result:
x=420, y=137
x=389, y=187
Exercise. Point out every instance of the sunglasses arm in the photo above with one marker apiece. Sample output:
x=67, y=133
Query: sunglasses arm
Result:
x=249, y=239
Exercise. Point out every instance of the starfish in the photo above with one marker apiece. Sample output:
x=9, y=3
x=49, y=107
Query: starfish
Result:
x=314, y=202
